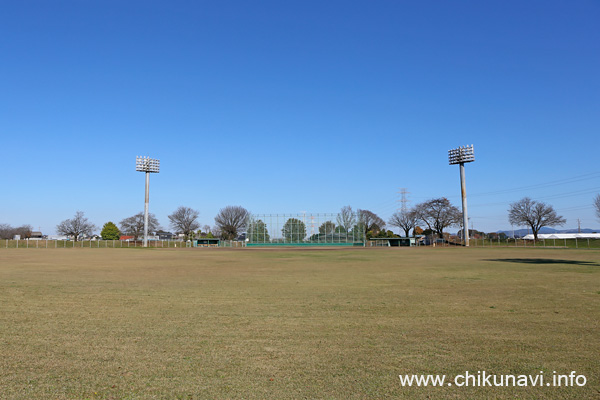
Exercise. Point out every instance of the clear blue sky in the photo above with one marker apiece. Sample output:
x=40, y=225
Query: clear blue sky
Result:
x=290, y=106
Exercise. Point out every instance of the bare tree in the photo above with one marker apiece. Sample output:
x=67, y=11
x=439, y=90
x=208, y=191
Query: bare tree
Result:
x=438, y=214
x=8, y=232
x=215, y=231
x=184, y=220
x=370, y=221
x=346, y=219
x=536, y=214
x=24, y=231
x=405, y=220
x=597, y=206
x=5, y=231
x=76, y=227
x=231, y=220
x=134, y=225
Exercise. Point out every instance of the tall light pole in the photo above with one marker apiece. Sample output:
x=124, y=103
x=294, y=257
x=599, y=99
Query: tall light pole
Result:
x=147, y=165
x=462, y=155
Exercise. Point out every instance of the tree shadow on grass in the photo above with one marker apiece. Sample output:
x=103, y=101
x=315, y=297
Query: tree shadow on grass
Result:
x=544, y=261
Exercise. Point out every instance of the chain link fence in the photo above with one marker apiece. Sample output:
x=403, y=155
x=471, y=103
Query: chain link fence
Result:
x=306, y=229
x=577, y=243
x=65, y=244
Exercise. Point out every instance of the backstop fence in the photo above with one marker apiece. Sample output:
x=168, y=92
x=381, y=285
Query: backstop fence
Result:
x=305, y=230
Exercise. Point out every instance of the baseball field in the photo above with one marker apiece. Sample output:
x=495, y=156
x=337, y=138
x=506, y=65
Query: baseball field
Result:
x=297, y=323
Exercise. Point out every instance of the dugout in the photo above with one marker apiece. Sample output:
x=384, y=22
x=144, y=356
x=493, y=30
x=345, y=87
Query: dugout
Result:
x=207, y=242
x=394, y=242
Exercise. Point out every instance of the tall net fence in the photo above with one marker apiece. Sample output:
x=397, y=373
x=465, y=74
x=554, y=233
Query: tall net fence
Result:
x=343, y=229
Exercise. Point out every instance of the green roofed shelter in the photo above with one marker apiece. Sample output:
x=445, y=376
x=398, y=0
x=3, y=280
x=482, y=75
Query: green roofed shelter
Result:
x=207, y=242
x=394, y=242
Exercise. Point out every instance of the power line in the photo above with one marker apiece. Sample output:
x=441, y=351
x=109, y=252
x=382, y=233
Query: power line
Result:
x=553, y=196
x=386, y=207
x=558, y=182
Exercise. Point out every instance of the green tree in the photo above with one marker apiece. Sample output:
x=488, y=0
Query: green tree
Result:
x=110, y=231
x=327, y=228
x=428, y=232
x=358, y=231
x=258, y=232
x=294, y=230
x=386, y=234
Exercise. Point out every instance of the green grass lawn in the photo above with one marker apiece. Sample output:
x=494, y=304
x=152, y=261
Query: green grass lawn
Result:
x=294, y=324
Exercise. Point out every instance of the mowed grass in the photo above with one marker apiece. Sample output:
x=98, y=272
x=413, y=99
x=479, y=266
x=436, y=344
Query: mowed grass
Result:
x=294, y=324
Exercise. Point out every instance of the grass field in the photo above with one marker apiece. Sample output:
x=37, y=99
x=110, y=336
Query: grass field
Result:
x=294, y=324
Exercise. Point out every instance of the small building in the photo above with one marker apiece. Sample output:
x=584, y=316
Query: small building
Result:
x=57, y=237
x=162, y=235
x=35, y=235
x=127, y=238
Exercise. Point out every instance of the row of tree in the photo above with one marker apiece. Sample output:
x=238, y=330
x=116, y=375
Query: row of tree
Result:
x=8, y=232
x=230, y=222
x=183, y=220
x=437, y=214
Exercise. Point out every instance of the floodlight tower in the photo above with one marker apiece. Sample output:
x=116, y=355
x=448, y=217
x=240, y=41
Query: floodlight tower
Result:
x=462, y=155
x=147, y=165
